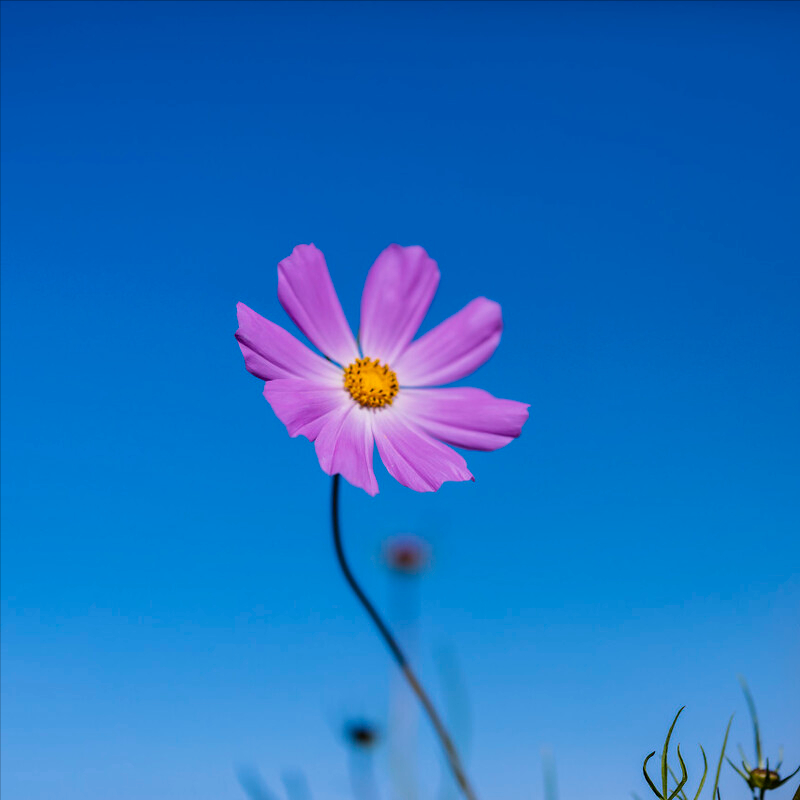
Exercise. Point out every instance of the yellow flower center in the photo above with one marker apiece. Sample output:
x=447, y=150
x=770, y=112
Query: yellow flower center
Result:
x=371, y=383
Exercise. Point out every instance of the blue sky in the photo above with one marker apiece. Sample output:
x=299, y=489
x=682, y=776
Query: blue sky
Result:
x=622, y=178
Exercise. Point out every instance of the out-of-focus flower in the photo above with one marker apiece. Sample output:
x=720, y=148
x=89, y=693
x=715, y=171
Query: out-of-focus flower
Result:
x=406, y=555
x=377, y=391
x=361, y=734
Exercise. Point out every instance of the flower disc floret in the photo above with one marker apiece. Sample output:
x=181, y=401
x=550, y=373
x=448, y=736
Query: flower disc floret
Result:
x=371, y=383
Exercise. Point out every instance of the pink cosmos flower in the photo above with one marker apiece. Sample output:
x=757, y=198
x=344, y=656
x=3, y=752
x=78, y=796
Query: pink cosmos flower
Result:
x=377, y=391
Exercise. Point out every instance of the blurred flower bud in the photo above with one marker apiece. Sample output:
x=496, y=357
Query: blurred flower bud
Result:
x=407, y=554
x=361, y=734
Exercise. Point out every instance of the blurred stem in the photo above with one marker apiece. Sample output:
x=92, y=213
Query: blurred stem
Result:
x=444, y=737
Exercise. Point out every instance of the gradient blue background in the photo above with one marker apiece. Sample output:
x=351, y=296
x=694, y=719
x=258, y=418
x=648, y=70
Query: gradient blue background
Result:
x=622, y=178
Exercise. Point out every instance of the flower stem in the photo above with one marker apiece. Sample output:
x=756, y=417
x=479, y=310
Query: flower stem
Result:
x=444, y=737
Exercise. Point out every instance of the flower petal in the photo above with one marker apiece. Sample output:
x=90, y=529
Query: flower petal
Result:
x=397, y=293
x=465, y=417
x=345, y=445
x=271, y=352
x=303, y=406
x=306, y=292
x=414, y=458
x=454, y=348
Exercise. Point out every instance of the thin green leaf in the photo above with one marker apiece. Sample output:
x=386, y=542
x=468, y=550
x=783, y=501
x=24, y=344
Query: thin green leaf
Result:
x=745, y=762
x=675, y=778
x=752, y=706
x=664, y=753
x=721, y=758
x=745, y=776
x=684, y=778
x=789, y=777
x=647, y=777
x=705, y=772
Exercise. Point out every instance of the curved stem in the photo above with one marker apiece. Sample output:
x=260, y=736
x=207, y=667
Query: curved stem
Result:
x=444, y=737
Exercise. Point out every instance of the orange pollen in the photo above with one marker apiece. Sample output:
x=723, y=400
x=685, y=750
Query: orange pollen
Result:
x=371, y=383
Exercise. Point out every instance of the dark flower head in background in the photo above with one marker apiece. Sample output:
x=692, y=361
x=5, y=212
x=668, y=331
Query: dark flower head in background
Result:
x=361, y=734
x=406, y=554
